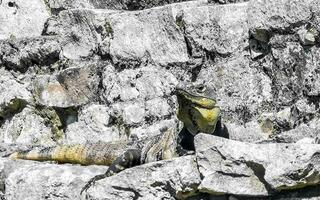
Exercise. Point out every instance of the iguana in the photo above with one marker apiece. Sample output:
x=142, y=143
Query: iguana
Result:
x=197, y=110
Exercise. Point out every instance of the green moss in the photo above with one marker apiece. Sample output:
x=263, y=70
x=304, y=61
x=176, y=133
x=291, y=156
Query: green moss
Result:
x=108, y=29
x=12, y=36
x=267, y=126
x=14, y=106
x=48, y=8
x=313, y=31
x=262, y=35
x=179, y=21
x=51, y=119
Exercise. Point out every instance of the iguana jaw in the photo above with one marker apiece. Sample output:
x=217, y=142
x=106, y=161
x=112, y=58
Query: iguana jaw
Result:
x=200, y=101
x=198, y=113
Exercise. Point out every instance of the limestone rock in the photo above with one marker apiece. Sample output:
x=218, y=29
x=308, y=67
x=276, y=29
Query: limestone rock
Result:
x=308, y=130
x=240, y=89
x=57, y=5
x=92, y=70
x=94, y=124
x=142, y=37
x=251, y=132
x=27, y=127
x=21, y=18
x=308, y=37
x=169, y=179
x=48, y=181
x=145, y=83
x=78, y=29
x=71, y=87
x=140, y=98
x=220, y=29
x=238, y=168
x=14, y=95
x=283, y=15
x=22, y=54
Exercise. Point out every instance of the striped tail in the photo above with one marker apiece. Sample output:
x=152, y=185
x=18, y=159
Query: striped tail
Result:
x=89, y=154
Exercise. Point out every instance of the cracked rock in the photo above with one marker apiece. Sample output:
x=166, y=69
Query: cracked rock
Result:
x=27, y=127
x=176, y=178
x=94, y=124
x=25, y=53
x=14, y=95
x=71, y=87
x=282, y=16
x=48, y=181
x=232, y=167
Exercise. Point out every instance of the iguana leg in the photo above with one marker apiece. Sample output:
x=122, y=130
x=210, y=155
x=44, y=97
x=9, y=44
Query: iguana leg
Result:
x=130, y=158
x=185, y=143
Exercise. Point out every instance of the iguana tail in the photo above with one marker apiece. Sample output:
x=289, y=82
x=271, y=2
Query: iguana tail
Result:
x=84, y=154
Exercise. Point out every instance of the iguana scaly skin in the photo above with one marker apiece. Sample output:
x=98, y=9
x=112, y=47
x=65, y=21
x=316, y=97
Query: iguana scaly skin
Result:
x=198, y=113
x=150, y=149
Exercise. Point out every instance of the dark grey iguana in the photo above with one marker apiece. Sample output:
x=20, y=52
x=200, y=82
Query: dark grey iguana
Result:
x=197, y=110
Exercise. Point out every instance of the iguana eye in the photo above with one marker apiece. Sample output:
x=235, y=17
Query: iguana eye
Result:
x=201, y=89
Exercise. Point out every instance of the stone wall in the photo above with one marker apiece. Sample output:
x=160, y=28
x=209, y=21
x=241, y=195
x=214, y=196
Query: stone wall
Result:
x=91, y=70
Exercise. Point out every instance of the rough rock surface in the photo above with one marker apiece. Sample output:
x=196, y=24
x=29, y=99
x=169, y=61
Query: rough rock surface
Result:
x=20, y=18
x=47, y=181
x=91, y=70
x=177, y=178
x=238, y=168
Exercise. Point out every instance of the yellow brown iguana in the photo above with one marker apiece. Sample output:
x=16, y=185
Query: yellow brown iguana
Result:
x=197, y=111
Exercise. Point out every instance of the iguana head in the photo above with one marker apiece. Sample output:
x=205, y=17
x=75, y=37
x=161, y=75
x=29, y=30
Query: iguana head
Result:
x=197, y=108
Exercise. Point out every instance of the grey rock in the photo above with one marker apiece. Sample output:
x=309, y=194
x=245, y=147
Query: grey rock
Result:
x=306, y=140
x=203, y=196
x=176, y=178
x=315, y=9
x=22, y=54
x=215, y=29
x=140, y=98
x=273, y=123
x=238, y=168
x=94, y=124
x=241, y=90
x=251, y=132
x=140, y=112
x=258, y=49
x=226, y=1
x=310, y=193
x=48, y=181
x=77, y=71
x=14, y=94
x=136, y=38
x=312, y=82
x=284, y=15
x=78, y=29
x=307, y=130
x=287, y=53
x=118, y=33
x=154, y=128
x=133, y=117
x=145, y=83
x=71, y=87
x=27, y=127
x=307, y=37
x=22, y=18
x=57, y=5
